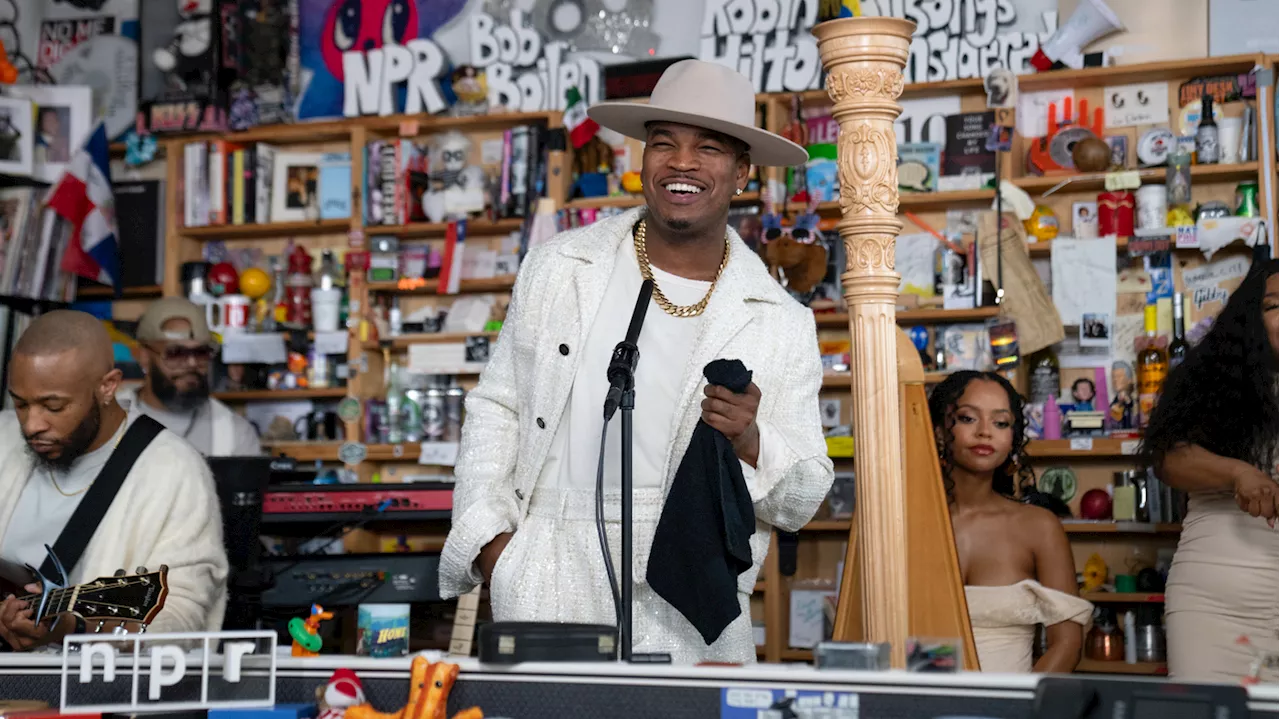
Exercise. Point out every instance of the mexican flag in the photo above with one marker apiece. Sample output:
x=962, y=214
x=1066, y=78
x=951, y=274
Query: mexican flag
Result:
x=581, y=127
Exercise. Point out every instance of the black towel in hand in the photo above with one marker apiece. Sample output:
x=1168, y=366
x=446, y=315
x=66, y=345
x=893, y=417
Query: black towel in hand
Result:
x=702, y=542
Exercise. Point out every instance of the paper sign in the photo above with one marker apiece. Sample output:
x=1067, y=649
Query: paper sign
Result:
x=1082, y=444
x=491, y=151
x=255, y=348
x=1033, y=110
x=1129, y=446
x=1140, y=104
x=331, y=343
x=1204, y=285
x=444, y=454
x=1128, y=180
x=1084, y=278
x=1184, y=237
x=442, y=358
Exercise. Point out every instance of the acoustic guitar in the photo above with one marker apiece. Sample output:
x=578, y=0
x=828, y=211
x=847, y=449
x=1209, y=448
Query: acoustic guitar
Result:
x=128, y=601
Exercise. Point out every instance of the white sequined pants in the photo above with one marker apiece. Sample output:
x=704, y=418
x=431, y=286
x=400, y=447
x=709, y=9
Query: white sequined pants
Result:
x=552, y=571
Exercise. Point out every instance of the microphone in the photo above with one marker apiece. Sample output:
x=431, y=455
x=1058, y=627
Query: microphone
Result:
x=622, y=366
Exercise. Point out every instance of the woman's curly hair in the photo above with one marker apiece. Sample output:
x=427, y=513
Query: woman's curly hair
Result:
x=1223, y=395
x=1012, y=479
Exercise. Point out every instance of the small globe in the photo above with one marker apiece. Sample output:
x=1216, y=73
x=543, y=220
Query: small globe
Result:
x=1091, y=155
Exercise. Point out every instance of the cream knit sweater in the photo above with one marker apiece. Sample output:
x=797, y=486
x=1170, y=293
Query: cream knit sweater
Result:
x=165, y=513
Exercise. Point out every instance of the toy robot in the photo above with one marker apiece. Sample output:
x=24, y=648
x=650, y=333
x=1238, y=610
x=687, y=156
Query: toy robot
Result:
x=186, y=60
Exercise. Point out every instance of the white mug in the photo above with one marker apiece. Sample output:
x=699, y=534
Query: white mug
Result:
x=228, y=314
x=1229, y=140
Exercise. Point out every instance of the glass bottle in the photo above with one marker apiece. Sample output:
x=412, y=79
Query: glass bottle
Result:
x=1046, y=383
x=298, y=284
x=1153, y=366
x=1207, y=134
x=395, y=405
x=279, y=299
x=329, y=276
x=1178, y=347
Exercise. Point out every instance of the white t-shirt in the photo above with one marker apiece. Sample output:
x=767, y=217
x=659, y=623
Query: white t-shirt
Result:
x=43, y=511
x=666, y=343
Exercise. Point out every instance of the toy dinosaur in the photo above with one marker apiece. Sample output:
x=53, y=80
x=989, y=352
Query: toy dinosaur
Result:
x=306, y=632
x=429, y=687
x=795, y=256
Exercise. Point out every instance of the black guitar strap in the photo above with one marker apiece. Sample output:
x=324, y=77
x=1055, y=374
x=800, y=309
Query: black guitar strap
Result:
x=84, y=521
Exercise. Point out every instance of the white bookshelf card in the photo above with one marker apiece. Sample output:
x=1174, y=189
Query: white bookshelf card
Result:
x=443, y=358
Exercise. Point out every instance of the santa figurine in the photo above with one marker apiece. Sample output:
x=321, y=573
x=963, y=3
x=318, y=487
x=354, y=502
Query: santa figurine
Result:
x=343, y=690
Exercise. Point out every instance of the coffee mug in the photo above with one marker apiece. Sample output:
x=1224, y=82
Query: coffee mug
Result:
x=228, y=314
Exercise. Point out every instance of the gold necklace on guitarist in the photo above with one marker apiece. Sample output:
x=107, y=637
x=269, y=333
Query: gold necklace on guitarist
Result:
x=58, y=487
x=646, y=271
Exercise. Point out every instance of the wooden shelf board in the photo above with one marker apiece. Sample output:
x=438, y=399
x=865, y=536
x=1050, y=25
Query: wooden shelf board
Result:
x=797, y=655
x=430, y=229
x=1140, y=72
x=328, y=451
x=336, y=130
x=496, y=284
x=1045, y=249
x=840, y=380
x=1091, y=666
x=1131, y=598
x=827, y=525
x=1101, y=447
x=1084, y=526
x=914, y=201
x=100, y=292
x=584, y=203
x=280, y=395
x=915, y=317
x=403, y=341
x=266, y=230
x=1096, y=181
x=911, y=89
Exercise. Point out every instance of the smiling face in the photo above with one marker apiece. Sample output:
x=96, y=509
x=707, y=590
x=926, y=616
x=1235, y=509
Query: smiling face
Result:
x=983, y=431
x=690, y=175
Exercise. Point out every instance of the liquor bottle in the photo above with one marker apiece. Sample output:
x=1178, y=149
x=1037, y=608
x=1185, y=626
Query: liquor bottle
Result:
x=1153, y=366
x=395, y=405
x=1046, y=383
x=1207, y=134
x=1178, y=347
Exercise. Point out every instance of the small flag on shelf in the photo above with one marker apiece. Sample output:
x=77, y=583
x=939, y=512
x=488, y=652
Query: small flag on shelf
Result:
x=83, y=197
x=455, y=238
x=581, y=128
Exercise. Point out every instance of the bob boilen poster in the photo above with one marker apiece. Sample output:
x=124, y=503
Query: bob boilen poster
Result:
x=329, y=28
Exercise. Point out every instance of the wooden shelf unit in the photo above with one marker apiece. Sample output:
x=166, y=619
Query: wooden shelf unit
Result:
x=258, y=231
x=1101, y=447
x=431, y=287
x=1091, y=666
x=1096, y=181
x=280, y=395
x=1129, y=598
x=833, y=320
x=102, y=292
x=438, y=229
x=627, y=201
x=404, y=341
x=1084, y=526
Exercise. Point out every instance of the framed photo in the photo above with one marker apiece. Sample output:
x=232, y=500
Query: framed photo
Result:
x=1084, y=220
x=63, y=114
x=17, y=141
x=295, y=187
x=1095, y=330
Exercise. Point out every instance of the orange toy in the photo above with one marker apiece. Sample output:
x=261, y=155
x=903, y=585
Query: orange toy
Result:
x=429, y=687
x=306, y=632
x=1052, y=154
x=8, y=73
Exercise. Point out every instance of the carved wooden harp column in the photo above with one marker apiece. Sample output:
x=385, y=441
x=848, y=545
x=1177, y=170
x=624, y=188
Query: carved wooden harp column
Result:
x=864, y=59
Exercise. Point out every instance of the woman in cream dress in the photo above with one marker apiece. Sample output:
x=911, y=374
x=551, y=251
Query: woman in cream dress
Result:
x=1213, y=435
x=1014, y=557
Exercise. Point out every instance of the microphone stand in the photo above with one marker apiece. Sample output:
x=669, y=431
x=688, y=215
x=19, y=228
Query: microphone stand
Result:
x=622, y=395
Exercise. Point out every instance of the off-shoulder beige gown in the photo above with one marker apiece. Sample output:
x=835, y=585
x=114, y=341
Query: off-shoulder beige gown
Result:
x=1004, y=621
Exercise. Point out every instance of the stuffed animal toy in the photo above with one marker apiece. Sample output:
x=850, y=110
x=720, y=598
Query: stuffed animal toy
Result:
x=185, y=60
x=429, y=687
x=796, y=256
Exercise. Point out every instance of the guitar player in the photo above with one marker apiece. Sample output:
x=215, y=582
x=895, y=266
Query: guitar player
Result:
x=105, y=492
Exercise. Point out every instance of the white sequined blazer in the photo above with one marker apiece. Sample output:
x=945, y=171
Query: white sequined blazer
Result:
x=513, y=412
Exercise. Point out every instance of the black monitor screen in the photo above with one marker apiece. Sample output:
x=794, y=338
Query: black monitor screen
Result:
x=1171, y=709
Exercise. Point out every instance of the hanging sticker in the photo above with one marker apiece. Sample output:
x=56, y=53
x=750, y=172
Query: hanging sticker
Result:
x=352, y=453
x=349, y=409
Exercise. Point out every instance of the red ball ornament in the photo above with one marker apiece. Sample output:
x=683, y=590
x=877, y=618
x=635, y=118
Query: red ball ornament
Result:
x=1095, y=504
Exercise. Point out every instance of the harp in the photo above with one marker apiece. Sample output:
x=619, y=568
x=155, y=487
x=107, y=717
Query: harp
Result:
x=901, y=576
x=936, y=601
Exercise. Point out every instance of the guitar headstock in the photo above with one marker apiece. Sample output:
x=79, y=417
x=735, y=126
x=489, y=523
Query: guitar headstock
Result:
x=135, y=598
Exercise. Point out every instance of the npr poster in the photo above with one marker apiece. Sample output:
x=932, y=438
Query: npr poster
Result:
x=330, y=29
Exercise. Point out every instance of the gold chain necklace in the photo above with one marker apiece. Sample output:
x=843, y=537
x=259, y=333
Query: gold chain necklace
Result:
x=58, y=487
x=646, y=271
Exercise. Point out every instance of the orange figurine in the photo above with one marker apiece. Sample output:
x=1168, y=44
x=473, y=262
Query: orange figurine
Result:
x=429, y=687
x=8, y=73
x=306, y=632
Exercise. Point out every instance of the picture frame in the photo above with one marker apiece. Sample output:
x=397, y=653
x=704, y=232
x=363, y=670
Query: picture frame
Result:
x=295, y=186
x=61, y=120
x=17, y=137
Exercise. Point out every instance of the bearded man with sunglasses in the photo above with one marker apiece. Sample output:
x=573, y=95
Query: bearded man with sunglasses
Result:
x=175, y=350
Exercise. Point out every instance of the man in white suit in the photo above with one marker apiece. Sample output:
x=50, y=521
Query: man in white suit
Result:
x=524, y=505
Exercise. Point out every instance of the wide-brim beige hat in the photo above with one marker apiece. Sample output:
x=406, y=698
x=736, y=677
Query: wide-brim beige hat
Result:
x=707, y=95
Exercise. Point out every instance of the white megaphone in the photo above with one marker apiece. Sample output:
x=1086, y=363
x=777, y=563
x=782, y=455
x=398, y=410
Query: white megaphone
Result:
x=1091, y=20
